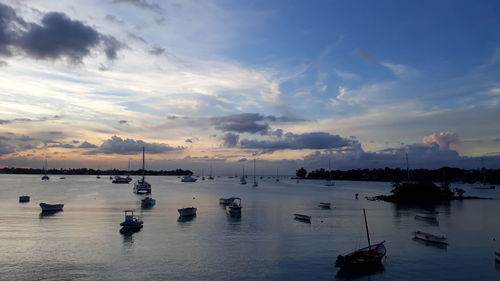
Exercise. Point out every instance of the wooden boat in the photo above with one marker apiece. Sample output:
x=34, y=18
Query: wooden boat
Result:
x=131, y=222
x=24, y=198
x=51, y=207
x=300, y=217
x=431, y=215
x=187, y=212
x=324, y=205
x=365, y=258
x=430, y=237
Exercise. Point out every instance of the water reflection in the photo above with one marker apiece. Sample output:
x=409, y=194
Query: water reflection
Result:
x=353, y=275
x=127, y=234
x=430, y=244
x=429, y=221
x=186, y=218
x=45, y=214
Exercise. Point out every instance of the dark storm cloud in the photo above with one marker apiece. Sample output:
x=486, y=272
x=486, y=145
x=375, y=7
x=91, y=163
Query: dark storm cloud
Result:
x=56, y=37
x=230, y=140
x=117, y=145
x=316, y=140
x=248, y=122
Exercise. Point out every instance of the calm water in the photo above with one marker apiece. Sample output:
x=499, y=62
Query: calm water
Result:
x=83, y=242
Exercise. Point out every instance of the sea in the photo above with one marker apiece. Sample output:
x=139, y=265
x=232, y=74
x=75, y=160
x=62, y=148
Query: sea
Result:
x=83, y=242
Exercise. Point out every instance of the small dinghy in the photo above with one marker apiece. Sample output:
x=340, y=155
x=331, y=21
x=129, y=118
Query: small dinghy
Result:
x=187, y=212
x=430, y=237
x=324, y=205
x=24, y=198
x=302, y=218
x=131, y=222
x=148, y=202
x=51, y=207
x=430, y=215
x=235, y=206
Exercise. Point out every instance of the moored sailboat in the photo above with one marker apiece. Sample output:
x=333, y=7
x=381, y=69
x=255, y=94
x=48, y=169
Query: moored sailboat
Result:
x=142, y=186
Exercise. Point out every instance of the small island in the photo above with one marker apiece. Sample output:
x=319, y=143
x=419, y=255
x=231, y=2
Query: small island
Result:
x=424, y=192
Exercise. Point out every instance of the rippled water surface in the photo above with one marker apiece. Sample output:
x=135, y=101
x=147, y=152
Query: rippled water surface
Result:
x=84, y=243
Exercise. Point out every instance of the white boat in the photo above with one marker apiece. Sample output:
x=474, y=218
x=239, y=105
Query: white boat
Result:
x=148, y=202
x=142, y=186
x=24, y=198
x=430, y=237
x=300, y=217
x=131, y=222
x=235, y=206
x=122, y=180
x=188, y=178
x=255, y=184
x=187, y=212
x=324, y=205
x=51, y=207
x=431, y=215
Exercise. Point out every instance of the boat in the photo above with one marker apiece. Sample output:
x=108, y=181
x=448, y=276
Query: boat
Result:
x=255, y=184
x=210, y=177
x=329, y=181
x=324, y=205
x=430, y=237
x=147, y=201
x=24, y=198
x=482, y=184
x=431, y=215
x=371, y=198
x=497, y=257
x=365, y=258
x=122, y=180
x=188, y=178
x=242, y=179
x=45, y=177
x=235, y=206
x=187, y=212
x=131, y=222
x=142, y=186
x=51, y=207
x=300, y=217
x=226, y=201
x=277, y=175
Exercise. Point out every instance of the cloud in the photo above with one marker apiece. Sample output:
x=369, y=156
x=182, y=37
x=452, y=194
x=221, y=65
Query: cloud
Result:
x=123, y=122
x=445, y=140
x=230, y=140
x=62, y=145
x=6, y=148
x=399, y=70
x=248, y=122
x=316, y=140
x=87, y=144
x=117, y=145
x=145, y=5
x=56, y=37
x=156, y=50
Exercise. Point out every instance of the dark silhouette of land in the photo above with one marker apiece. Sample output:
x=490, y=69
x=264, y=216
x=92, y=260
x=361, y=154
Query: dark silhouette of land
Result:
x=85, y=171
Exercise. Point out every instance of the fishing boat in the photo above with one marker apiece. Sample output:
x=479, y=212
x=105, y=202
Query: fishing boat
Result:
x=142, y=186
x=131, y=222
x=235, y=206
x=51, y=207
x=430, y=215
x=187, y=212
x=147, y=201
x=324, y=205
x=430, y=237
x=365, y=258
x=329, y=181
x=24, y=198
x=188, y=178
x=497, y=257
x=255, y=184
x=303, y=218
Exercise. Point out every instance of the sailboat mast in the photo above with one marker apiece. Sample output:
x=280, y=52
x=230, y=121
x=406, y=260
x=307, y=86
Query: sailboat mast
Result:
x=367, y=232
x=407, y=167
x=143, y=164
x=253, y=170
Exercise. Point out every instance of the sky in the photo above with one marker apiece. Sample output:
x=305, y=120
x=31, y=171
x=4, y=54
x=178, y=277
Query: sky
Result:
x=357, y=84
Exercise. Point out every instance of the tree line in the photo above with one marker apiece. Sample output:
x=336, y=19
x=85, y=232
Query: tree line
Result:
x=445, y=174
x=85, y=171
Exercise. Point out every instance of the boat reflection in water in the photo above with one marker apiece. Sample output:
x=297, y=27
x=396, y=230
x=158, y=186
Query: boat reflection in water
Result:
x=186, y=218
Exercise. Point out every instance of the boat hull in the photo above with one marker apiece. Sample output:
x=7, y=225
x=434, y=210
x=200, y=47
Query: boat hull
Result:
x=51, y=207
x=303, y=218
x=430, y=238
x=24, y=199
x=187, y=212
x=362, y=259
